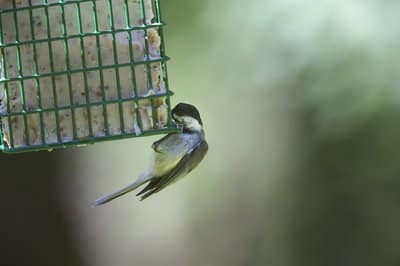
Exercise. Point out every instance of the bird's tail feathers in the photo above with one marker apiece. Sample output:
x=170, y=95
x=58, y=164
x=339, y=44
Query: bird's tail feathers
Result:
x=138, y=182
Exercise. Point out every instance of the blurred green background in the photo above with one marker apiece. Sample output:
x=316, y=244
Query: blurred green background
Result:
x=301, y=106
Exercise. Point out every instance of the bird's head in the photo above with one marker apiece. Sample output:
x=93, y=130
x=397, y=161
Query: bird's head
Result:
x=188, y=116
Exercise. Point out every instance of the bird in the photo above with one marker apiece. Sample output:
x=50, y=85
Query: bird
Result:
x=174, y=156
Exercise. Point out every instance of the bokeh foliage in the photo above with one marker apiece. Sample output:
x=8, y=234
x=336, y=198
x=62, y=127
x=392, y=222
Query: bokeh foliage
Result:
x=300, y=101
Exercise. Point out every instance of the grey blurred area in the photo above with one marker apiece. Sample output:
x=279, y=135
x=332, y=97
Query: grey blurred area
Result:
x=34, y=226
x=301, y=106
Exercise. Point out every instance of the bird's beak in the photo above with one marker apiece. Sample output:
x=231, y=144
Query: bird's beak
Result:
x=179, y=126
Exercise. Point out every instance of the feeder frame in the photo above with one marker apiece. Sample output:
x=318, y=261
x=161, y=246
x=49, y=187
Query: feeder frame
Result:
x=156, y=23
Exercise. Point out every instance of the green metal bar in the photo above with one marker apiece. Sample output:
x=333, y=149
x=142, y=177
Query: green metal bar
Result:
x=36, y=67
x=45, y=4
x=53, y=80
x=71, y=95
x=2, y=144
x=21, y=83
x=149, y=71
x=154, y=113
x=84, y=69
x=1, y=36
x=76, y=106
x=85, y=79
x=147, y=60
x=88, y=141
x=115, y=52
x=102, y=32
x=158, y=11
x=10, y=128
x=7, y=96
x=132, y=64
x=168, y=100
x=164, y=64
x=103, y=92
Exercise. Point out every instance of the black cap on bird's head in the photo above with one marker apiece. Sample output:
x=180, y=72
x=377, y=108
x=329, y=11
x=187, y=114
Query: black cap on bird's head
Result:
x=188, y=110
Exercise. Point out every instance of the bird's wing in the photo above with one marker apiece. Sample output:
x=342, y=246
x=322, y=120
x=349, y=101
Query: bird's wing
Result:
x=169, y=151
x=188, y=162
x=157, y=145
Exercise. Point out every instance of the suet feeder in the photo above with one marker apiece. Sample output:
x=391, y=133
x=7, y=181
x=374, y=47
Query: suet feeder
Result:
x=81, y=71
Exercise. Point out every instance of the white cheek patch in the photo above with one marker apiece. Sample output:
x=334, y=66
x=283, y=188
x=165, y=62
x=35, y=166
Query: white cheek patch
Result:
x=189, y=122
x=192, y=123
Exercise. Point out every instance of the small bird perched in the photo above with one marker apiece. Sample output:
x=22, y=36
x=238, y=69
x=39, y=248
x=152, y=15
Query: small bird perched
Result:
x=175, y=155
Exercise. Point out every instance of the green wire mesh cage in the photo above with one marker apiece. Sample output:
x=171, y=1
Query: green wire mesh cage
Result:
x=78, y=72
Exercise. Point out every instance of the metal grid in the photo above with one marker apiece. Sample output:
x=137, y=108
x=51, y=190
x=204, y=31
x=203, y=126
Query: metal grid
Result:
x=72, y=107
